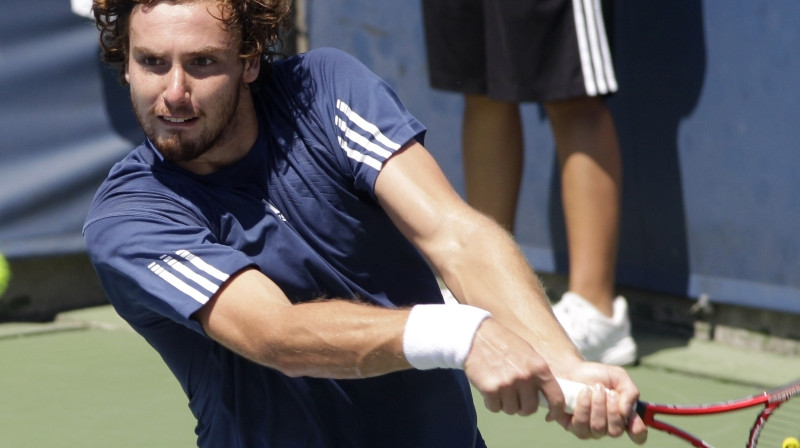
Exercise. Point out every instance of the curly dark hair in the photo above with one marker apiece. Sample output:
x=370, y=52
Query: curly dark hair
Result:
x=259, y=21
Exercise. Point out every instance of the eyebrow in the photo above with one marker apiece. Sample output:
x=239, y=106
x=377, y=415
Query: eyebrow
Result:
x=205, y=51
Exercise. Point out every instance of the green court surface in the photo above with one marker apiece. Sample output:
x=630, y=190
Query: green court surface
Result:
x=87, y=380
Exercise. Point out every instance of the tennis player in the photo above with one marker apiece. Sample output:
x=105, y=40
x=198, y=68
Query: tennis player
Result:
x=271, y=239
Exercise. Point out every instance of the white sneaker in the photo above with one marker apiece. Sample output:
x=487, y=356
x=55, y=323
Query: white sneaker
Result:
x=598, y=337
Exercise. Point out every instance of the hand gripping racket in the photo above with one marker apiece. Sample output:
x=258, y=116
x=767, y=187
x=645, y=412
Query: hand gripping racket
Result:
x=776, y=425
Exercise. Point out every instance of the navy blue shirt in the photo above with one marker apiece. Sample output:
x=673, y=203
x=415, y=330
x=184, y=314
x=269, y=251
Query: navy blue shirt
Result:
x=300, y=207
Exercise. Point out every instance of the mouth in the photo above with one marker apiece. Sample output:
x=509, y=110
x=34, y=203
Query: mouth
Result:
x=177, y=120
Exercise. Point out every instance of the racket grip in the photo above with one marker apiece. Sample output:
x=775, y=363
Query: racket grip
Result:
x=571, y=390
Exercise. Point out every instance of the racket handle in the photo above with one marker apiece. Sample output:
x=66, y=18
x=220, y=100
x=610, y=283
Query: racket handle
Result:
x=571, y=390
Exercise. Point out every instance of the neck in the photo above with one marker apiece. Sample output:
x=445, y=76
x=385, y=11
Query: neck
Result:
x=233, y=144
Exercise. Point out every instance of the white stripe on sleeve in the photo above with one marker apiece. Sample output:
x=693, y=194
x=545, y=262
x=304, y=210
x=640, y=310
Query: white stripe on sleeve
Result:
x=189, y=274
x=197, y=279
x=359, y=156
x=359, y=121
x=179, y=284
x=202, y=265
x=361, y=140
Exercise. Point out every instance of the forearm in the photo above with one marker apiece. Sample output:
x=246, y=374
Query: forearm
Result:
x=479, y=261
x=330, y=339
x=485, y=268
x=334, y=339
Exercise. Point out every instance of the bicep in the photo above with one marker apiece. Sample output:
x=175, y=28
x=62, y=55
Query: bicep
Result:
x=240, y=314
x=419, y=199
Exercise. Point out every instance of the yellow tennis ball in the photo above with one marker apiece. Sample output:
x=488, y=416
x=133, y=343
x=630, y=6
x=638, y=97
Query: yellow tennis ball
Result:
x=5, y=275
x=791, y=442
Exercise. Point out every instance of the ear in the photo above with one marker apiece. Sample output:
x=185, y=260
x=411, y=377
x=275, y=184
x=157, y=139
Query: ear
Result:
x=252, y=66
x=127, y=69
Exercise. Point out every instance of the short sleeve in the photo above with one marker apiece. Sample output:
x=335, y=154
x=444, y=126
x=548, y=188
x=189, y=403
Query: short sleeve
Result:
x=367, y=121
x=158, y=262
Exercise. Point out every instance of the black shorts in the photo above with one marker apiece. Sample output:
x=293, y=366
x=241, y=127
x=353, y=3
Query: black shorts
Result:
x=518, y=50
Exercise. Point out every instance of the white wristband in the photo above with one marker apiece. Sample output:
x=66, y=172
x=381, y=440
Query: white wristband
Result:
x=440, y=336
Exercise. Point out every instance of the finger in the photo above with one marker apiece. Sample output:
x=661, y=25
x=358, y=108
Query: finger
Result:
x=598, y=425
x=528, y=399
x=579, y=424
x=616, y=419
x=635, y=427
x=627, y=393
x=552, y=393
x=637, y=430
x=510, y=400
x=492, y=402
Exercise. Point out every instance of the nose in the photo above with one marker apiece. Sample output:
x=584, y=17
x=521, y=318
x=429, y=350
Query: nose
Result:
x=177, y=91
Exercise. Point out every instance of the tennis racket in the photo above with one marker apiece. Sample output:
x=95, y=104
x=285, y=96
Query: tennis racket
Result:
x=776, y=425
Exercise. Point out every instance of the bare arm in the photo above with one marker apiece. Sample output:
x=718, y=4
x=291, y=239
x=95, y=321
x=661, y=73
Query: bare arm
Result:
x=522, y=347
x=478, y=260
x=305, y=339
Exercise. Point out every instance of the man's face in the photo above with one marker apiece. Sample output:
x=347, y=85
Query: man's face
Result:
x=186, y=78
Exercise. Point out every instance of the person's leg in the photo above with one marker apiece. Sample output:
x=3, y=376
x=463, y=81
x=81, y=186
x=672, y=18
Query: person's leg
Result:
x=493, y=147
x=591, y=173
x=589, y=156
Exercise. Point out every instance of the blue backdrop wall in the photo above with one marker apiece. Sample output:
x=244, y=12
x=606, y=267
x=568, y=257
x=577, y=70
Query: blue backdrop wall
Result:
x=58, y=137
x=708, y=120
x=707, y=115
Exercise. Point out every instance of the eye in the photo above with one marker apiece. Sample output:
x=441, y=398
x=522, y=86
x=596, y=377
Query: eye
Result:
x=151, y=61
x=203, y=62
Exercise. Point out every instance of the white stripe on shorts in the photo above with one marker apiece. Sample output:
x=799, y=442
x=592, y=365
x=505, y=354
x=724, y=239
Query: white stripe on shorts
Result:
x=598, y=71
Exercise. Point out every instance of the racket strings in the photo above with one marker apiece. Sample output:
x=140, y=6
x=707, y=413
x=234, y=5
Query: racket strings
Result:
x=784, y=393
x=782, y=425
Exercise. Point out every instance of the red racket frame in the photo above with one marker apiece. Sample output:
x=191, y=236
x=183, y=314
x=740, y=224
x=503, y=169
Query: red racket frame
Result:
x=771, y=400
